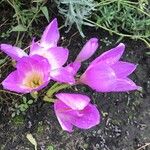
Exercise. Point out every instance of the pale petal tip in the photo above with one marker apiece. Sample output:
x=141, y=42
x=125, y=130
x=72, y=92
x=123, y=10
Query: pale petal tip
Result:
x=50, y=35
x=4, y=46
x=121, y=44
x=94, y=39
x=121, y=47
x=139, y=88
x=54, y=20
x=94, y=42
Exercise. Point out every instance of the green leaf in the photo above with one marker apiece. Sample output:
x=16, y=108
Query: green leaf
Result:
x=34, y=94
x=45, y=12
x=16, y=105
x=30, y=101
x=26, y=106
x=22, y=109
x=18, y=112
x=24, y=100
x=19, y=28
x=37, y=1
x=13, y=114
x=50, y=148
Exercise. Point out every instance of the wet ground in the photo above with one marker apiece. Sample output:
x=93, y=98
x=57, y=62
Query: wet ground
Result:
x=125, y=123
x=125, y=116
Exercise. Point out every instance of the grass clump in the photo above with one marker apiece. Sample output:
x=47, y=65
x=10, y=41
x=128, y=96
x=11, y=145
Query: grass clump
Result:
x=75, y=11
x=122, y=17
x=25, y=17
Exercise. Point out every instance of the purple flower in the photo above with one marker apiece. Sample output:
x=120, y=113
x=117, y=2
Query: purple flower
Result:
x=87, y=51
x=75, y=110
x=57, y=57
x=107, y=73
x=48, y=40
x=50, y=35
x=31, y=74
x=46, y=47
x=13, y=51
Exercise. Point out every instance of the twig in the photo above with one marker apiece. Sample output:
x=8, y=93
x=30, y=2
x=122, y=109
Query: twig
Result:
x=71, y=38
x=3, y=91
x=3, y=23
x=35, y=15
x=120, y=34
x=146, y=144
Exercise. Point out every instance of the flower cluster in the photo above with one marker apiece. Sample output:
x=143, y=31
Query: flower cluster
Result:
x=45, y=62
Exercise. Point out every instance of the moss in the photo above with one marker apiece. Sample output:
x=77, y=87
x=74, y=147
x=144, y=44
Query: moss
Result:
x=50, y=147
x=18, y=120
x=2, y=147
x=40, y=128
x=85, y=145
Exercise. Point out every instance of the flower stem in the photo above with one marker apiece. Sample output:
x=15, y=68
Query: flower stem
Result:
x=54, y=85
x=55, y=88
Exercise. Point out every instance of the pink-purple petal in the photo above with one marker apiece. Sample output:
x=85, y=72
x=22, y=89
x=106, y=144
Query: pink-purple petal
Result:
x=74, y=101
x=122, y=85
x=51, y=35
x=99, y=78
x=73, y=67
x=35, y=62
x=110, y=57
x=12, y=51
x=62, y=75
x=86, y=118
x=58, y=56
x=123, y=69
x=35, y=46
x=67, y=126
x=19, y=80
x=59, y=108
x=88, y=50
x=13, y=82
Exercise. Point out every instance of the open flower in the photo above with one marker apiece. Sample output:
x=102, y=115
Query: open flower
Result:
x=48, y=40
x=75, y=110
x=31, y=74
x=106, y=73
x=47, y=48
x=57, y=57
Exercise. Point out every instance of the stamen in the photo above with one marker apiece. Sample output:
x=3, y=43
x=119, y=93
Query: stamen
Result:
x=33, y=80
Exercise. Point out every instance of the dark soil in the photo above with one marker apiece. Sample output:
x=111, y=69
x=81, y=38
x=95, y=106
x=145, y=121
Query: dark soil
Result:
x=125, y=122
